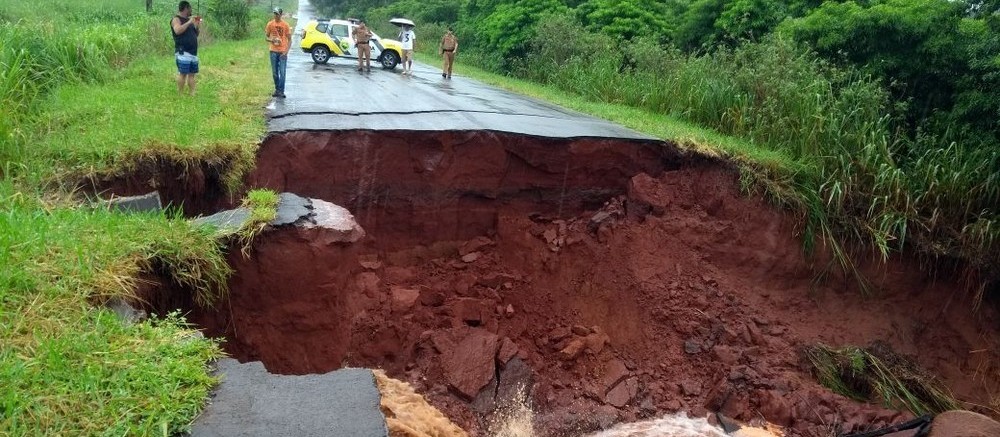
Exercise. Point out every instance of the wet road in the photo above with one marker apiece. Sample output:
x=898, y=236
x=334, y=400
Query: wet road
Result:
x=337, y=97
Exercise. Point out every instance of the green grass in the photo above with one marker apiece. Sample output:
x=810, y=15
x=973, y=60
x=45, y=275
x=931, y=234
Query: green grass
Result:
x=263, y=206
x=106, y=129
x=71, y=368
x=91, y=98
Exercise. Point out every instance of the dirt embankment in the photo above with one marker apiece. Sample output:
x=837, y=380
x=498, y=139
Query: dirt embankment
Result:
x=609, y=281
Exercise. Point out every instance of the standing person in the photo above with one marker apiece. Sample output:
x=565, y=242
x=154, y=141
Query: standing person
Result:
x=185, y=29
x=362, y=37
x=409, y=39
x=448, y=48
x=280, y=37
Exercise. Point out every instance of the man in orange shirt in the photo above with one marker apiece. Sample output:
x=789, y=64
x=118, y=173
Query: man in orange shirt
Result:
x=280, y=37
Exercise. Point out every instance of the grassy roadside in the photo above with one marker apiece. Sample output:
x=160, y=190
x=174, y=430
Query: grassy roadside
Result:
x=68, y=365
x=686, y=135
x=104, y=129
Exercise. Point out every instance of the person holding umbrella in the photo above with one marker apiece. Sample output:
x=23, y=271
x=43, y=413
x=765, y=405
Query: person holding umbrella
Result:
x=409, y=39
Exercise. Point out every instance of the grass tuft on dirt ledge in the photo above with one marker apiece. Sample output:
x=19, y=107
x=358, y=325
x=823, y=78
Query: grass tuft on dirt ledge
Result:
x=263, y=206
x=876, y=373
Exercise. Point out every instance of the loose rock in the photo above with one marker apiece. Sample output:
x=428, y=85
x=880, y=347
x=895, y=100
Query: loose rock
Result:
x=623, y=393
x=469, y=366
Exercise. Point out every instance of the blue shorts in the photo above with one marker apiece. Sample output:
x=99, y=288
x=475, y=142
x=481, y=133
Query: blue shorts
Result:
x=187, y=63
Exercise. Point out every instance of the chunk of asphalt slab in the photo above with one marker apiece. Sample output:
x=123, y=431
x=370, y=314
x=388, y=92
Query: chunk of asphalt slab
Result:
x=291, y=208
x=297, y=211
x=337, y=220
x=251, y=402
x=143, y=203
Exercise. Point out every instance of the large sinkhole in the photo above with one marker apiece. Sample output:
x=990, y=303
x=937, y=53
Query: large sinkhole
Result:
x=608, y=280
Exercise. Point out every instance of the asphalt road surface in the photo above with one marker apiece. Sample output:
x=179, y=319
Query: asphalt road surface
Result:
x=252, y=402
x=336, y=96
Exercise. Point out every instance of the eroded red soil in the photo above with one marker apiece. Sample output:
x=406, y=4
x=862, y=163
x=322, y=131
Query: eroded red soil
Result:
x=617, y=280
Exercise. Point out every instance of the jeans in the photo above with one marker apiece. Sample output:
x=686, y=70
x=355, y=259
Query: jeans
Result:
x=278, y=64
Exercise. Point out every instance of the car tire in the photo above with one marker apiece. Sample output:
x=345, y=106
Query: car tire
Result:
x=389, y=59
x=320, y=54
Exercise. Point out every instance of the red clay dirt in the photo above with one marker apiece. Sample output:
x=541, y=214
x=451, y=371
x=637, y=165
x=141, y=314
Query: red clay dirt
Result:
x=615, y=280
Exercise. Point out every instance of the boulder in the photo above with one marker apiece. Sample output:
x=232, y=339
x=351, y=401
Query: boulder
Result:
x=573, y=349
x=470, y=365
x=474, y=245
x=613, y=374
x=646, y=195
x=623, y=393
x=403, y=299
x=508, y=349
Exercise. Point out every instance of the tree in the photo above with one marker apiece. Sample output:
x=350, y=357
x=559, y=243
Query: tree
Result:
x=625, y=19
x=749, y=19
x=935, y=56
x=696, y=28
x=507, y=29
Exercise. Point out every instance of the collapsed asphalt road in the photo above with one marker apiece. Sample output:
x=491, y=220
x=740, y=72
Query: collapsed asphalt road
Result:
x=514, y=248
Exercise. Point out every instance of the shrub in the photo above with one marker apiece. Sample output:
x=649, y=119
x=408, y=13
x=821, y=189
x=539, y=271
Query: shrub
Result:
x=230, y=17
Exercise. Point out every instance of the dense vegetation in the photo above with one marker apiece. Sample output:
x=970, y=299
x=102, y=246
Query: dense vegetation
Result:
x=87, y=90
x=885, y=114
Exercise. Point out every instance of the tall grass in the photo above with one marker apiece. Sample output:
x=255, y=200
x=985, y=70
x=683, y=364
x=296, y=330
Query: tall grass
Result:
x=47, y=43
x=38, y=56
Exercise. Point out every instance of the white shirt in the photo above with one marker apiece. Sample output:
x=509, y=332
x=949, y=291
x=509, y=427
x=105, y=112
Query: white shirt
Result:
x=407, y=38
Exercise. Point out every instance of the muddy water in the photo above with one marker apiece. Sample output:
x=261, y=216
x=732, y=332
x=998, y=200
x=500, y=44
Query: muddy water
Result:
x=674, y=425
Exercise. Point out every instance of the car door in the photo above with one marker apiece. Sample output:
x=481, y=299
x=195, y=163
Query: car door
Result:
x=341, y=36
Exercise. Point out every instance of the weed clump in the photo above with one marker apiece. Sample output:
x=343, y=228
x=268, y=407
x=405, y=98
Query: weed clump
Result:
x=876, y=373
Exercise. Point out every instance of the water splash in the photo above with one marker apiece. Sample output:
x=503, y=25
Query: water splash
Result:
x=676, y=425
x=513, y=417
